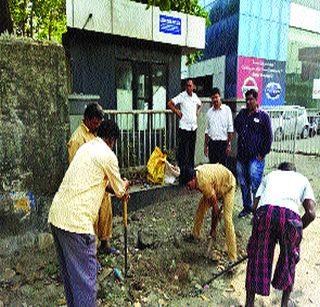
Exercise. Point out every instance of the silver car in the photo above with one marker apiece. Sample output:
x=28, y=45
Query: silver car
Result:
x=286, y=121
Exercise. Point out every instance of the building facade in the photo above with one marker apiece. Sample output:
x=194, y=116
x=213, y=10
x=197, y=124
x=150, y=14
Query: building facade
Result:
x=267, y=45
x=128, y=54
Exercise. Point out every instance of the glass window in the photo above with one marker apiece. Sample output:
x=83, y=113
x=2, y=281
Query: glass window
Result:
x=302, y=67
x=124, y=93
x=159, y=94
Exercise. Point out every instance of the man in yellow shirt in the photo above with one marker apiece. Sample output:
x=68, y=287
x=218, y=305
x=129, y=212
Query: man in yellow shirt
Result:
x=75, y=209
x=215, y=182
x=93, y=116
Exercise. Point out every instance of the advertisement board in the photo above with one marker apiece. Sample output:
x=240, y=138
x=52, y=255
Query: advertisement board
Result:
x=316, y=89
x=267, y=77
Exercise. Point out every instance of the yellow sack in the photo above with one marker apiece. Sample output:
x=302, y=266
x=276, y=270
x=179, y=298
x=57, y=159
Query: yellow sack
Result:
x=156, y=166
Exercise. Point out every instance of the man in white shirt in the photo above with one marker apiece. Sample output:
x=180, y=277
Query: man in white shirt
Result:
x=219, y=131
x=277, y=219
x=186, y=106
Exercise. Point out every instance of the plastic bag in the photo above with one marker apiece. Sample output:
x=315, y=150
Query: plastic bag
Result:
x=171, y=173
x=156, y=166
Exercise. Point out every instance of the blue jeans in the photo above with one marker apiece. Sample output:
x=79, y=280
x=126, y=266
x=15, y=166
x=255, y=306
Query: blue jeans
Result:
x=249, y=177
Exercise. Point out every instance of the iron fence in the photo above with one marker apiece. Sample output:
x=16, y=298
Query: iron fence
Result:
x=295, y=131
x=140, y=132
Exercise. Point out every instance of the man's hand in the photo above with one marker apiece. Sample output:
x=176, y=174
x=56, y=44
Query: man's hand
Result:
x=174, y=109
x=310, y=213
x=206, y=150
x=109, y=190
x=259, y=157
x=228, y=149
x=179, y=113
x=126, y=183
x=125, y=197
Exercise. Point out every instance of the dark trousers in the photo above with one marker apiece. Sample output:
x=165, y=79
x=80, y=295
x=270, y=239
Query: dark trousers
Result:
x=217, y=152
x=78, y=266
x=186, y=149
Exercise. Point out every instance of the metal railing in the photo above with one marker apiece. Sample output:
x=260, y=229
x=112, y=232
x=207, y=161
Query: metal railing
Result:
x=295, y=131
x=140, y=132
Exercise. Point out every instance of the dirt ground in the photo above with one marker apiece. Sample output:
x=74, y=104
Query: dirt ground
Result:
x=164, y=268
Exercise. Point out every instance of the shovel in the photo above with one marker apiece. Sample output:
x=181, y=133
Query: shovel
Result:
x=125, y=225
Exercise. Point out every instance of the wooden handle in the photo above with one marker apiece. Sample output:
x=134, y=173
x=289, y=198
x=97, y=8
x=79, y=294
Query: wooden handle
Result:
x=125, y=213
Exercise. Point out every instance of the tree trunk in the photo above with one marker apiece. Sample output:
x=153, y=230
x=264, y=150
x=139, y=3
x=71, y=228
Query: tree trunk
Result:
x=5, y=17
x=31, y=20
x=23, y=23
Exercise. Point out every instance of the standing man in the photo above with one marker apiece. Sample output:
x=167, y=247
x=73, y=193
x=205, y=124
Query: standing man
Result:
x=92, y=118
x=189, y=104
x=87, y=131
x=215, y=182
x=75, y=209
x=277, y=219
x=219, y=131
x=254, y=143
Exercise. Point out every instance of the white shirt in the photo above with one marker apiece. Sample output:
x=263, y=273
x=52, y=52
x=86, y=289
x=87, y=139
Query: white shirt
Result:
x=188, y=106
x=219, y=123
x=286, y=189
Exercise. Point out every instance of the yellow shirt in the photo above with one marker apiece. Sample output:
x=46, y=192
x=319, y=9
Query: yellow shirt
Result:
x=214, y=180
x=76, y=205
x=79, y=137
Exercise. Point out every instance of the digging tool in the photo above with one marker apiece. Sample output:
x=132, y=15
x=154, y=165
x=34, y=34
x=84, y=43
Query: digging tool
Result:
x=125, y=225
x=226, y=270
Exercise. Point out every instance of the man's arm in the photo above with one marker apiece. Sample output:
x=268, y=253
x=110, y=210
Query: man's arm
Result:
x=230, y=137
x=230, y=131
x=174, y=109
x=110, y=190
x=199, y=109
x=72, y=147
x=260, y=191
x=255, y=204
x=267, y=137
x=117, y=184
x=237, y=122
x=206, y=144
x=215, y=215
x=310, y=213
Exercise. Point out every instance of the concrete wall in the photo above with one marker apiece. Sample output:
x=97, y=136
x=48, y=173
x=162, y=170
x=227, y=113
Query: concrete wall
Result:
x=34, y=125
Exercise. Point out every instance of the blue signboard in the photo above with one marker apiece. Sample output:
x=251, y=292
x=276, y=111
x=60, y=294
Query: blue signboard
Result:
x=274, y=86
x=170, y=25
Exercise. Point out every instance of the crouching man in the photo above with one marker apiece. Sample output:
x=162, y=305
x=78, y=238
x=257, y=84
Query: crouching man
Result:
x=215, y=182
x=277, y=219
x=75, y=209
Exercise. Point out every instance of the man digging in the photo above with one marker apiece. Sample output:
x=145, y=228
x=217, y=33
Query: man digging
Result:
x=216, y=183
x=86, y=132
x=277, y=220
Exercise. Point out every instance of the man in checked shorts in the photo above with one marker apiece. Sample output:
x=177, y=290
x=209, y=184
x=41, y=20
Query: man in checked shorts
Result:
x=277, y=219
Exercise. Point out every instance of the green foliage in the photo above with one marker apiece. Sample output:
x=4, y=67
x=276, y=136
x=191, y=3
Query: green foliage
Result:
x=191, y=7
x=39, y=19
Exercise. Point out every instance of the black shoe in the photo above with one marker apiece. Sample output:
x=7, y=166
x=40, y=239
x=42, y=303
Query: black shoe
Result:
x=244, y=213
